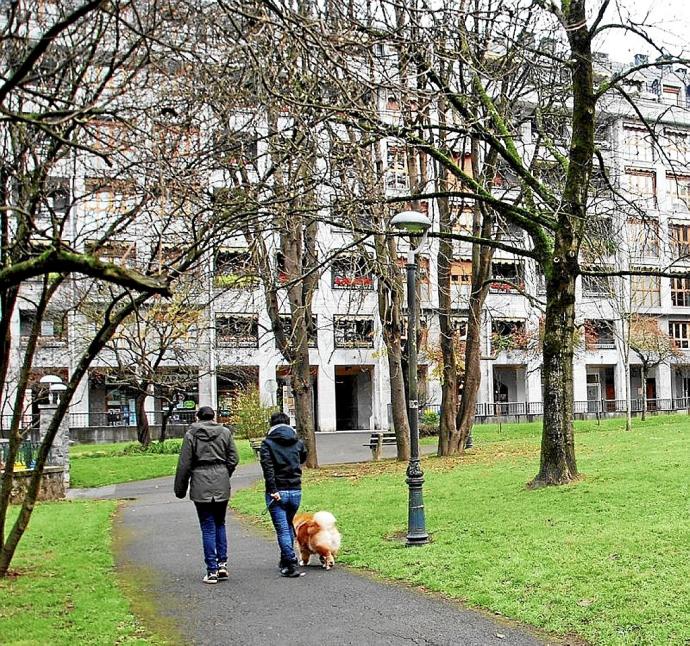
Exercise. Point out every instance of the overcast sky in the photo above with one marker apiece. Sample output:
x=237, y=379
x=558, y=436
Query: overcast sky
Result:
x=671, y=21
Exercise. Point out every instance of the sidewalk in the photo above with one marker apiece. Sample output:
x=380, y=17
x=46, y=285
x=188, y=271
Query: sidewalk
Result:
x=256, y=606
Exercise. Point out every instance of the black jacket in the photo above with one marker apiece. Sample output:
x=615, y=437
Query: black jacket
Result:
x=281, y=455
x=208, y=457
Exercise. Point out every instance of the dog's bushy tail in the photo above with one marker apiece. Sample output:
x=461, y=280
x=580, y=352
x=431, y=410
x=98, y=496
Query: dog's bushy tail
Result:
x=324, y=519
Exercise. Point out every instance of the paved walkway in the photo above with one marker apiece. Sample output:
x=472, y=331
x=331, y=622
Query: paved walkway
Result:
x=258, y=607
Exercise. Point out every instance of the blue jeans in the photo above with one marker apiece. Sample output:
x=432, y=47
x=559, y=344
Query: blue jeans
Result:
x=282, y=513
x=212, y=522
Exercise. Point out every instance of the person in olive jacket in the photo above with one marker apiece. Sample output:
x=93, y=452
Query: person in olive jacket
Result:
x=208, y=458
x=281, y=455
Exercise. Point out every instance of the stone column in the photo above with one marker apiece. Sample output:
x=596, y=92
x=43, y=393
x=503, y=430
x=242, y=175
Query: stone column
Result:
x=60, y=448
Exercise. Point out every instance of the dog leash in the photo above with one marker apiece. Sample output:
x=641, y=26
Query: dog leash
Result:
x=268, y=507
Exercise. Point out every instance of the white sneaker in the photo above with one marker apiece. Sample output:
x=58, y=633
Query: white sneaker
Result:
x=211, y=577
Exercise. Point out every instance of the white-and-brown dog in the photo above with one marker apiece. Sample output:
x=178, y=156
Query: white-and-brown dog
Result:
x=317, y=534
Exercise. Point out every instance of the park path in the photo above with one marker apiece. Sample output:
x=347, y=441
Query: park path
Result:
x=256, y=607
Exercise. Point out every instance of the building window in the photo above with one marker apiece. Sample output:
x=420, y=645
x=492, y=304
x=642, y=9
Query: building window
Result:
x=56, y=201
x=679, y=188
x=234, y=269
x=53, y=325
x=680, y=292
x=422, y=268
x=600, y=238
x=353, y=332
x=351, y=272
x=596, y=285
x=646, y=291
x=461, y=273
x=508, y=334
x=118, y=253
x=238, y=331
x=679, y=332
x=643, y=237
x=637, y=143
x=507, y=276
x=642, y=186
x=235, y=148
x=670, y=95
x=312, y=330
x=599, y=334
x=680, y=240
x=397, y=177
x=678, y=144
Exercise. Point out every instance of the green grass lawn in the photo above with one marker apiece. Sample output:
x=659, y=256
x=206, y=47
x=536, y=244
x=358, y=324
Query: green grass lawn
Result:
x=98, y=465
x=605, y=558
x=64, y=589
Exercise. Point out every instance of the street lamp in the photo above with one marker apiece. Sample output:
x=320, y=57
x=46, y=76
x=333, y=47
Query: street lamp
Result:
x=55, y=386
x=414, y=223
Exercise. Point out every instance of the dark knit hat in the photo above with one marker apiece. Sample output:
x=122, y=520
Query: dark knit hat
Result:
x=205, y=413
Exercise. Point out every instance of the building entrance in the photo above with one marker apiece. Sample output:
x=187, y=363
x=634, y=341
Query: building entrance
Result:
x=353, y=398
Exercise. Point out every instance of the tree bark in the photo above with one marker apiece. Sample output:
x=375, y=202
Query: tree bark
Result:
x=643, y=379
x=143, y=430
x=558, y=464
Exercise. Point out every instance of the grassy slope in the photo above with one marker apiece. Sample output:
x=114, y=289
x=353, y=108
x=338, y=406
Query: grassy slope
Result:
x=102, y=464
x=606, y=558
x=66, y=591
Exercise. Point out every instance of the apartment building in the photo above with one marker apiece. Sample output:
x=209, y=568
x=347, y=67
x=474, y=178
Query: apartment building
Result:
x=649, y=227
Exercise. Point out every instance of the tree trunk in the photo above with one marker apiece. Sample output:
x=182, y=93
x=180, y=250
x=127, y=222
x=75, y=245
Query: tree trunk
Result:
x=390, y=295
x=558, y=464
x=143, y=430
x=398, y=400
x=165, y=417
x=447, y=431
x=643, y=379
x=303, y=392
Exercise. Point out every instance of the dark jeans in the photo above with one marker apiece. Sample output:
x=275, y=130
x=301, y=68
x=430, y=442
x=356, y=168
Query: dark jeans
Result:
x=212, y=522
x=282, y=513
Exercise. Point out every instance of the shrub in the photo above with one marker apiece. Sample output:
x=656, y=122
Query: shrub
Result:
x=429, y=423
x=248, y=415
x=168, y=447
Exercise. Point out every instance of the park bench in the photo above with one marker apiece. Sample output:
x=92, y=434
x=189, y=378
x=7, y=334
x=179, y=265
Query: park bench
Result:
x=256, y=445
x=377, y=441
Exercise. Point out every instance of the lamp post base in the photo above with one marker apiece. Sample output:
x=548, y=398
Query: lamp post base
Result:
x=416, y=523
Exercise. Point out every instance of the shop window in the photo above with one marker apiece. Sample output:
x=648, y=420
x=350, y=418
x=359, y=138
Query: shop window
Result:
x=353, y=332
x=237, y=330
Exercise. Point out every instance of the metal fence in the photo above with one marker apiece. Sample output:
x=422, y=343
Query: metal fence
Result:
x=26, y=455
x=604, y=406
x=103, y=419
x=28, y=426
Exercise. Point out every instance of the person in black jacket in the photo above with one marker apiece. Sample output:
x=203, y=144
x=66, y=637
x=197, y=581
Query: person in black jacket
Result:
x=282, y=453
x=208, y=458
